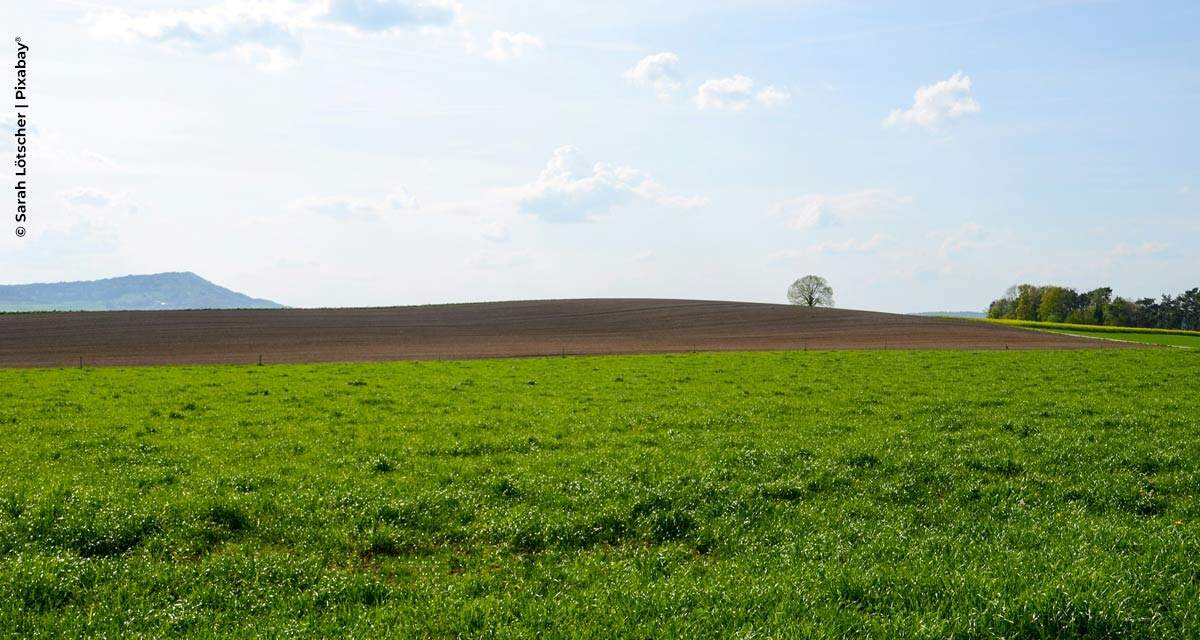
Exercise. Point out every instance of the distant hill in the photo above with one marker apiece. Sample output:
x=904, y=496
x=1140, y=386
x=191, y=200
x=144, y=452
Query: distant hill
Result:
x=178, y=290
x=952, y=314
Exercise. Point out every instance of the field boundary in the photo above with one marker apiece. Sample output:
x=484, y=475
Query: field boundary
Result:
x=1080, y=335
x=1097, y=328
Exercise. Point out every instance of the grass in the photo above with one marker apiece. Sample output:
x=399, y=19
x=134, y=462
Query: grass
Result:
x=1173, y=340
x=1090, y=328
x=1168, y=337
x=823, y=495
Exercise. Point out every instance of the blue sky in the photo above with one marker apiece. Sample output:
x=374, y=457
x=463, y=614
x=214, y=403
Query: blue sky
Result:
x=921, y=156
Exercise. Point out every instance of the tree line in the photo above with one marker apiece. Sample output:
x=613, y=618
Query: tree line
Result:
x=1098, y=306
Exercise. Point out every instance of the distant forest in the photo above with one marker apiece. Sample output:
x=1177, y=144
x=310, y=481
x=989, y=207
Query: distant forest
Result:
x=1098, y=306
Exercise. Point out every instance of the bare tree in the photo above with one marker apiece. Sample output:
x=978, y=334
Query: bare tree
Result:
x=811, y=291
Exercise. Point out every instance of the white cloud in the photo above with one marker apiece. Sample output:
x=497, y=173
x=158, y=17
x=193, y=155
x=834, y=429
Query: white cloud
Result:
x=936, y=104
x=267, y=33
x=571, y=190
x=95, y=207
x=771, y=97
x=659, y=72
x=345, y=207
x=92, y=217
x=493, y=229
x=736, y=93
x=510, y=46
x=822, y=210
x=969, y=237
x=1124, y=250
x=848, y=246
x=88, y=197
x=732, y=93
x=492, y=219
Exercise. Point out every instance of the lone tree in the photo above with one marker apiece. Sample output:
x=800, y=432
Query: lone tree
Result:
x=811, y=291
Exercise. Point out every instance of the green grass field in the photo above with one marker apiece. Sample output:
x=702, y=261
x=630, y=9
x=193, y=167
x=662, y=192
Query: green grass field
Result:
x=1166, y=337
x=1090, y=328
x=1173, y=340
x=791, y=495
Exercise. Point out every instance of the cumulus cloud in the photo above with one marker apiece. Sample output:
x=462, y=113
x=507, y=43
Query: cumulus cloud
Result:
x=571, y=190
x=824, y=210
x=267, y=33
x=936, y=104
x=736, y=93
x=732, y=93
x=88, y=197
x=659, y=72
x=510, y=46
x=347, y=207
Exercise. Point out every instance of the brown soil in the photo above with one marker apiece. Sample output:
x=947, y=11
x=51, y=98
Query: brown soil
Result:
x=484, y=330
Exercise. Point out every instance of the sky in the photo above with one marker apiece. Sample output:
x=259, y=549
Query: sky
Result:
x=920, y=156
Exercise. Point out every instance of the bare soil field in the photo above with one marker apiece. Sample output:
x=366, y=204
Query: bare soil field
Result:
x=485, y=330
